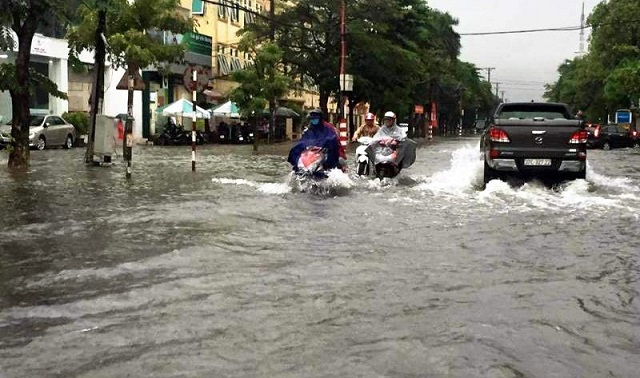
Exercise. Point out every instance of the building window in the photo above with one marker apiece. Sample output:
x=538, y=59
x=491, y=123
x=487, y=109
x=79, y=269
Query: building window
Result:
x=235, y=11
x=223, y=65
x=39, y=99
x=197, y=7
x=222, y=9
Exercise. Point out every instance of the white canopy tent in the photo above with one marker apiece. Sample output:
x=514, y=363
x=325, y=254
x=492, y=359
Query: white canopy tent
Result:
x=184, y=108
x=228, y=109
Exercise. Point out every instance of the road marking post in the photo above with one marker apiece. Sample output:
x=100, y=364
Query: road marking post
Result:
x=194, y=121
x=344, y=133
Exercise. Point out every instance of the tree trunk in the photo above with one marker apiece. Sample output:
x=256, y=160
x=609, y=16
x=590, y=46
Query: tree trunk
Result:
x=272, y=120
x=324, y=99
x=97, y=92
x=352, y=125
x=19, y=155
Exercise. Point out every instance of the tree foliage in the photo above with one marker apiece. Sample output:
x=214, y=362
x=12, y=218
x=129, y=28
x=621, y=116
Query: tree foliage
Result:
x=608, y=76
x=133, y=31
x=261, y=82
x=400, y=52
x=19, y=21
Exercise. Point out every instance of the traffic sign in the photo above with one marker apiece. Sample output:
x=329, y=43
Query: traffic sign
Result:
x=623, y=116
x=202, y=80
x=138, y=83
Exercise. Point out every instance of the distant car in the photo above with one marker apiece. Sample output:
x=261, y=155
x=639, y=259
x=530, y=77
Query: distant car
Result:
x=611, y=136
x=44, y=131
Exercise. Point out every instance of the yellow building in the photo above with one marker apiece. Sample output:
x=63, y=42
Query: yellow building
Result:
x=213, y=51
x=222, y=23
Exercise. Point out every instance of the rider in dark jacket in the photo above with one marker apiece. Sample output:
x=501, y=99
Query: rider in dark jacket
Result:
x=319, y=134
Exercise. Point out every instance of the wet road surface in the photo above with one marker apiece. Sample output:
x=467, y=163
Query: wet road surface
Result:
x=230, y=273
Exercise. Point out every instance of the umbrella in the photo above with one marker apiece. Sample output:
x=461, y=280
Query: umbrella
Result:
x=229, y=109
x=281, y=111
x=184, y=108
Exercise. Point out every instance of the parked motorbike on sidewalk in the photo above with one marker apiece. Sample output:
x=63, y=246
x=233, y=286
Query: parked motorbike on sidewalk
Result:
x=174, y=135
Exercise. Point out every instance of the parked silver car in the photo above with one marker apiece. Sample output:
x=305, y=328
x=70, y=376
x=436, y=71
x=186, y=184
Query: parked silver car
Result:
x=44, y=131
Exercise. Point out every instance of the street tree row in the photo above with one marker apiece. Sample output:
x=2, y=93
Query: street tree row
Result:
x=607, y=77
x=400, y=52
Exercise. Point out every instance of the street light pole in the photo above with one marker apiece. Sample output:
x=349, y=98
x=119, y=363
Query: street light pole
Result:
x=343, y=53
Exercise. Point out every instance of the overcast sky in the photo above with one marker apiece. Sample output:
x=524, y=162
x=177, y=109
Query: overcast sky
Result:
x=523, y=62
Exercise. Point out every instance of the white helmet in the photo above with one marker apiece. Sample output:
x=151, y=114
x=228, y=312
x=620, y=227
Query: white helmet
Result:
x=390, y=115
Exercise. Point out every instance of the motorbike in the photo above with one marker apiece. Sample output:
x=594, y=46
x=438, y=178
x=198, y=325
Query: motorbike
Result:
x=310, y=168
x=387, y=156
x=174, y=135
x=362, y=159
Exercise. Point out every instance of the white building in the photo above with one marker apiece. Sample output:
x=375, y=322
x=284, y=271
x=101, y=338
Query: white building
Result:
x=50, y=56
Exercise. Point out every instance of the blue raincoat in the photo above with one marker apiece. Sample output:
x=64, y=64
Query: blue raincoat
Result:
x=322, y=135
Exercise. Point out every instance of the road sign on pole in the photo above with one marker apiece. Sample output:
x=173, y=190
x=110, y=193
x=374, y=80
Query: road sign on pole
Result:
x=623, y=116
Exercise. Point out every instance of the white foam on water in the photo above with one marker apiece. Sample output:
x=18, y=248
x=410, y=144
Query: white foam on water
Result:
x=274, y=188
x=339, y=180
x=622, y=183
x=463, y=179
x=463, y=176
x=267, y=188
x=228, y=181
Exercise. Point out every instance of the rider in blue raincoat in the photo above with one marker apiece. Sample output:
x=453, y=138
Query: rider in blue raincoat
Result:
x=318, y=134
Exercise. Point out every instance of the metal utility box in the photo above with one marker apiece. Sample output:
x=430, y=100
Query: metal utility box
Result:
x=105, y=139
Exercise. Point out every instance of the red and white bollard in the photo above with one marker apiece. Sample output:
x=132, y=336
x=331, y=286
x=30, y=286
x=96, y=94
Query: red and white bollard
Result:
x=194, y=120
x=344, y=133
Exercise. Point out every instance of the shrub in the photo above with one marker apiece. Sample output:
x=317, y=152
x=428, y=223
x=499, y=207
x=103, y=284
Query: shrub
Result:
x=79, y=120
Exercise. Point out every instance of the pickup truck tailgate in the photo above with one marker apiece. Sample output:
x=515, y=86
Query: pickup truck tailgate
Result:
x=539, y=138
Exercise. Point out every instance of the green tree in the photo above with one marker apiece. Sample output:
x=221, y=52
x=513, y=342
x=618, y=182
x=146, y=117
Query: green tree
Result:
x=23, y=17
x=261, y=83
x=134, y=33
x=400, y=51
x=608, y=76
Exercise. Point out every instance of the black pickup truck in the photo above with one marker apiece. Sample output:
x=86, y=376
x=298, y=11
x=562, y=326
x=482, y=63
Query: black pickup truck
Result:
x=534, y=140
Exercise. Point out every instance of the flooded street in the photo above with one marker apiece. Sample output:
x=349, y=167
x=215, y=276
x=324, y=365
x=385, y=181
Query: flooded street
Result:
x=228, y=272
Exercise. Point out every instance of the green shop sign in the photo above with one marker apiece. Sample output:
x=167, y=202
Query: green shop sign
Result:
x=198, y=43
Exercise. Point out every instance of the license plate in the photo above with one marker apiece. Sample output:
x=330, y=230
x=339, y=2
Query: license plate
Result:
x=537, y=162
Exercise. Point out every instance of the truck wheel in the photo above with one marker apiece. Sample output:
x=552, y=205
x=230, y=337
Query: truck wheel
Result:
x=489, y=173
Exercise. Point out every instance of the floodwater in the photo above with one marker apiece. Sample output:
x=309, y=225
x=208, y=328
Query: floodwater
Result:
x=229, y=272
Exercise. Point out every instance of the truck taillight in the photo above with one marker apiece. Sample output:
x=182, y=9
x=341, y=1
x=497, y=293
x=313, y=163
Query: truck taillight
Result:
x=498, y=135
x=596, y=132
x=578, y=137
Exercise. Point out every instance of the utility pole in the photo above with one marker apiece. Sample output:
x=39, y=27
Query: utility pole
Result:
x=97, y=92
x=488, y=69
x=502, y=93
x=582, y=27
x=272, y=15
x=497, y=87
x=343, y=53
x=272, y=101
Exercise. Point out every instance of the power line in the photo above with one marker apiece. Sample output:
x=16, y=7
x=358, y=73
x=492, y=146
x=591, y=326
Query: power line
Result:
x=565, y=28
